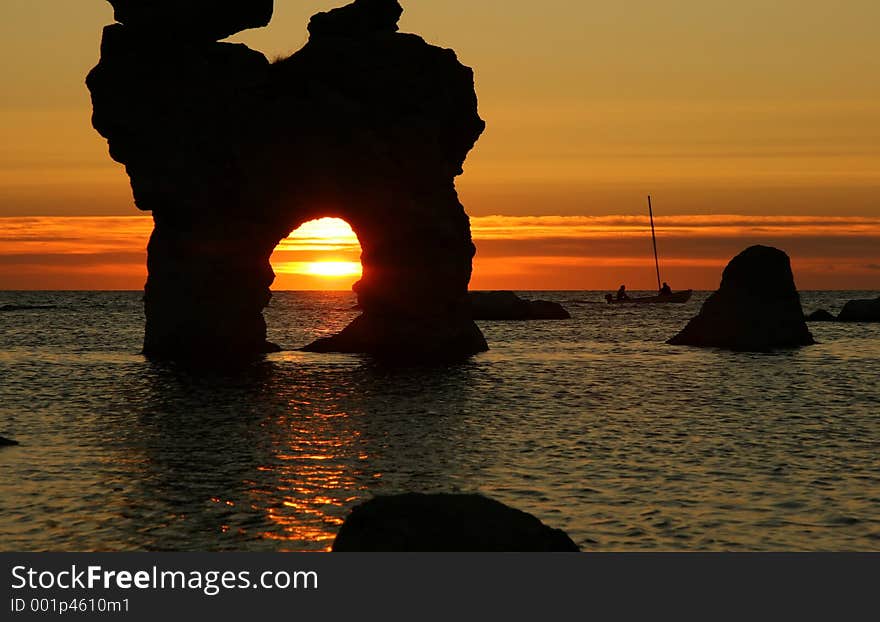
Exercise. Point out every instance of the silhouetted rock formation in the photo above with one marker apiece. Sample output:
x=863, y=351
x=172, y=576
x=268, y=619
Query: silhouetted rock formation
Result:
x=231, y=154
x=446, y=523
x=861, y=311
x=358, y=18
x=192, y=19
x=509, y=306
x=821, y=315
x=5, y=442
x=756, y=309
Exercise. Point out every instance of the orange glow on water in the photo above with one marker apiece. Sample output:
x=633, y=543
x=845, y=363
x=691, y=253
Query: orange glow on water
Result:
x=314, y=483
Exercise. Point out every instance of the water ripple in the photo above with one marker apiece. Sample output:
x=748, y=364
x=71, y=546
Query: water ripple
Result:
x=594, y=425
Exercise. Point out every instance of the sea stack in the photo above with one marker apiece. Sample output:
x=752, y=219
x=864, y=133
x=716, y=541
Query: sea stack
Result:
x=232, y=153
x=756, y=309
x=446, y=523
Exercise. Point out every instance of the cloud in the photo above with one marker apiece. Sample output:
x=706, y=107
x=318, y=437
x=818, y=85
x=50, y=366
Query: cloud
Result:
x=716, y=226
x=579, y=252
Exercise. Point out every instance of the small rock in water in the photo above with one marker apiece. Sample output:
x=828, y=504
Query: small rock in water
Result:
x=509, y=306
x=821, y=316
x=861, y=311
x=446, y=523
x=26, y=307
x=6, y=442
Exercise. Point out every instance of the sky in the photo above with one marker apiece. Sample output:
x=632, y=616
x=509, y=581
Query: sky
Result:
x=760, y=121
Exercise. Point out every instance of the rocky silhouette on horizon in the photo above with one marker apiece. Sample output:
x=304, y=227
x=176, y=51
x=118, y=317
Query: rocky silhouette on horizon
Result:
x=756, y=309
x=821, y=315
x=231, y=153
x=505, y=305
x=854, y=311
x=860, y=311
x=446, y=523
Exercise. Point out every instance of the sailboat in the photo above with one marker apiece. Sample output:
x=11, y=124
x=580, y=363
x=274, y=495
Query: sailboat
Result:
x=679, y=297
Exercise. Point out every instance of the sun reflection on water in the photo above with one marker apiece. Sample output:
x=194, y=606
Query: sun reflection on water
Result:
x=315, y=467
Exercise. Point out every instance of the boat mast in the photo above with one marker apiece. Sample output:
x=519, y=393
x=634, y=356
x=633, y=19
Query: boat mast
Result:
x=654, y=238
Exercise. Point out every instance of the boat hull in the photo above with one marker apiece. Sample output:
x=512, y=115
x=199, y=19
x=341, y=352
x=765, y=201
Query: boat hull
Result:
x=674, y=298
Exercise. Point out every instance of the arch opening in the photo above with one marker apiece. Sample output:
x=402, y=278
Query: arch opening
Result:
x=321, y=255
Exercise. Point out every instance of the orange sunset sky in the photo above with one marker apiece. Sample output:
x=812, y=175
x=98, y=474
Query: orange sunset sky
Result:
x=748, y=122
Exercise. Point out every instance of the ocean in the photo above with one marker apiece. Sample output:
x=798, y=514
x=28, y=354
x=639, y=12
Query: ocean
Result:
x=594, y=425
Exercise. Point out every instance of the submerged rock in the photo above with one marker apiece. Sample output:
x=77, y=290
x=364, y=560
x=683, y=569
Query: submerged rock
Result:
x=821, y=315
x=446, y=523
x=231, y=154
x=6, y=442
x=861, y=311
x=757, y=308
x=509, y=306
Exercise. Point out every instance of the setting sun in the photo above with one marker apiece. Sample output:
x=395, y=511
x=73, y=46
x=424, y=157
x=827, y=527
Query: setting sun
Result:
x=325, y=234
x=333, y=268
x=321, y=254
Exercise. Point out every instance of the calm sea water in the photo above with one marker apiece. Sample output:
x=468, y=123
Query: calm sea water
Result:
x=593, y=425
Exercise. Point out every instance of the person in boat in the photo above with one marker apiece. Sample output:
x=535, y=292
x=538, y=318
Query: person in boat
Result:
x=621, y=293
x=665, y=290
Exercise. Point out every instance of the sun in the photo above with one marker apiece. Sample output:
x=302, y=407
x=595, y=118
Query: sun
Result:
x=322, y=254
x=332, y=268
x=325, y=231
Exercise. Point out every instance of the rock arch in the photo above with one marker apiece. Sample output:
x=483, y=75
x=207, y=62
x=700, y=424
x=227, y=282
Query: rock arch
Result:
x=232, y=153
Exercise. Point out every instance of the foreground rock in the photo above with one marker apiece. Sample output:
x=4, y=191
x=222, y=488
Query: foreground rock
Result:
x=231, y=154
x=861, y=311
x=821, y=316
x=445, y=523
x=509, y=306
x=757, y=308
x=5, y=442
